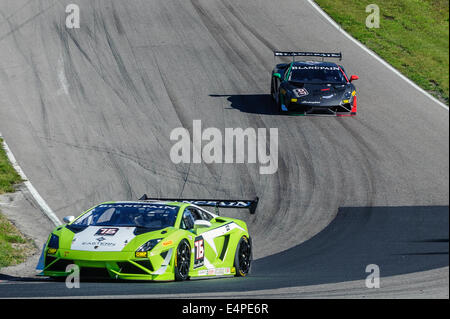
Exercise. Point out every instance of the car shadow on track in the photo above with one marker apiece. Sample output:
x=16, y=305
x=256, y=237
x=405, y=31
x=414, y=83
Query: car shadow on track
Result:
x=251, y=103
x=5, y=278
x=399, y=240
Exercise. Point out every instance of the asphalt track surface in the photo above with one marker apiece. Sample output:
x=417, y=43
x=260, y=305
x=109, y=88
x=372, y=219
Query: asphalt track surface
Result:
x=88, y=115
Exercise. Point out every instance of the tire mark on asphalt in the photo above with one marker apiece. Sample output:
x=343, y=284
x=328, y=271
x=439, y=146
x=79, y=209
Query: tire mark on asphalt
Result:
x=159, y=171
x=70, y=69
x=367, y=154
x=219, y=35
x=250, y=28
x=24, y=23
x=123, y=71
x=117, y=21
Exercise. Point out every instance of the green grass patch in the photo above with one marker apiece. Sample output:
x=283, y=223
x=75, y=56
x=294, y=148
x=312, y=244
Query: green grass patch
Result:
x=14, y=247
x=413, y=37
x=8, y=175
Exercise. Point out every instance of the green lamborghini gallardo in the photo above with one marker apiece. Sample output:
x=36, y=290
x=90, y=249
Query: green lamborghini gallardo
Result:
x=151, y=239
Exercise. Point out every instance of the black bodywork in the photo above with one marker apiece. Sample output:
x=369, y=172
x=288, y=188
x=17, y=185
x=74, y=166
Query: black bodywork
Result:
x=313, y=88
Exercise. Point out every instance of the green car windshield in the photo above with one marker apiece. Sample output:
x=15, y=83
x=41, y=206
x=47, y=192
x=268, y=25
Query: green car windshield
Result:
x=151, y=216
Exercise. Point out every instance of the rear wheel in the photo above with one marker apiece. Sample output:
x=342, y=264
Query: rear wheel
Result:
x=182, y=261
x=243, y=257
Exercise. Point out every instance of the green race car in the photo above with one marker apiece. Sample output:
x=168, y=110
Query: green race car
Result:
x=151, y=239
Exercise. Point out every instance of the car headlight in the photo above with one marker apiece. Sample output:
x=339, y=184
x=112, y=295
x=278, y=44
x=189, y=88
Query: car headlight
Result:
x=53, y=242
x=347, y=95
x=142, y=251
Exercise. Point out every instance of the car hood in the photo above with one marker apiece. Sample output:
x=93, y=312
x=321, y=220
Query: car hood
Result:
x=319, y=94
x=110, y=238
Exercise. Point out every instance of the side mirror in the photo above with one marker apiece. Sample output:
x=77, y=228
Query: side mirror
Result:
x=68, y=219
x=201, y=224
x=353, y=78
x=277, y=75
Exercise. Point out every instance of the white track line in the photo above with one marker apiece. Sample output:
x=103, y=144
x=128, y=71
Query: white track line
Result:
x=38, y=198
x=373, y=54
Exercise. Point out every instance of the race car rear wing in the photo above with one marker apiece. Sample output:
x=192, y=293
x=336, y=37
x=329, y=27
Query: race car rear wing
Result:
x=223, y=203
x=322, y=55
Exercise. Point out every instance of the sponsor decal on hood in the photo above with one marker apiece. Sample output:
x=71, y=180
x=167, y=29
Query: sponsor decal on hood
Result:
x=102, y=238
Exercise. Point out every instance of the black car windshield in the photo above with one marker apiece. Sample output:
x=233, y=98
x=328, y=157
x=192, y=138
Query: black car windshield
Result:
x=317, y=74
x=151, y=216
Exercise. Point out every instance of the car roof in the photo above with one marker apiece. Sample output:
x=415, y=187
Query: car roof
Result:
x=178, y=204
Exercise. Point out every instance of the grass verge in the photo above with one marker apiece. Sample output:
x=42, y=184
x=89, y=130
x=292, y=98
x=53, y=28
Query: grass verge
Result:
x=413, y=37
x=14, y=246
x=8, y=175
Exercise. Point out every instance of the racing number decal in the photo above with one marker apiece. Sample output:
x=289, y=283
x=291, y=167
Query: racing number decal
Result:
x=301, y=92
x=199, y=252
x=107, y=231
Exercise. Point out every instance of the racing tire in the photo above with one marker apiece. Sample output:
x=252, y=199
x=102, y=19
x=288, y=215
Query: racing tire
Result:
x=182, y=261
x=272, y=91
x=243, y=257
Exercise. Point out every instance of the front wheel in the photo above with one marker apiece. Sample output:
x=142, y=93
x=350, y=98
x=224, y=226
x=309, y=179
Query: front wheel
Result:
x=243, y=257
x=272, y=90
x=182, y=261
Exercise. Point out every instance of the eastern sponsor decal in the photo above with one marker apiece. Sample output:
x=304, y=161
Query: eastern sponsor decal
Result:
x=98, y=243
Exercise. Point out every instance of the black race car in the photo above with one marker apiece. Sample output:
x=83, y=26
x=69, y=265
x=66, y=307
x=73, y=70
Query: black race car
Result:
x=313, y=87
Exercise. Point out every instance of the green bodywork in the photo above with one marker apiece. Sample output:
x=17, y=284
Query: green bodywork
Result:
x=161, y=261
